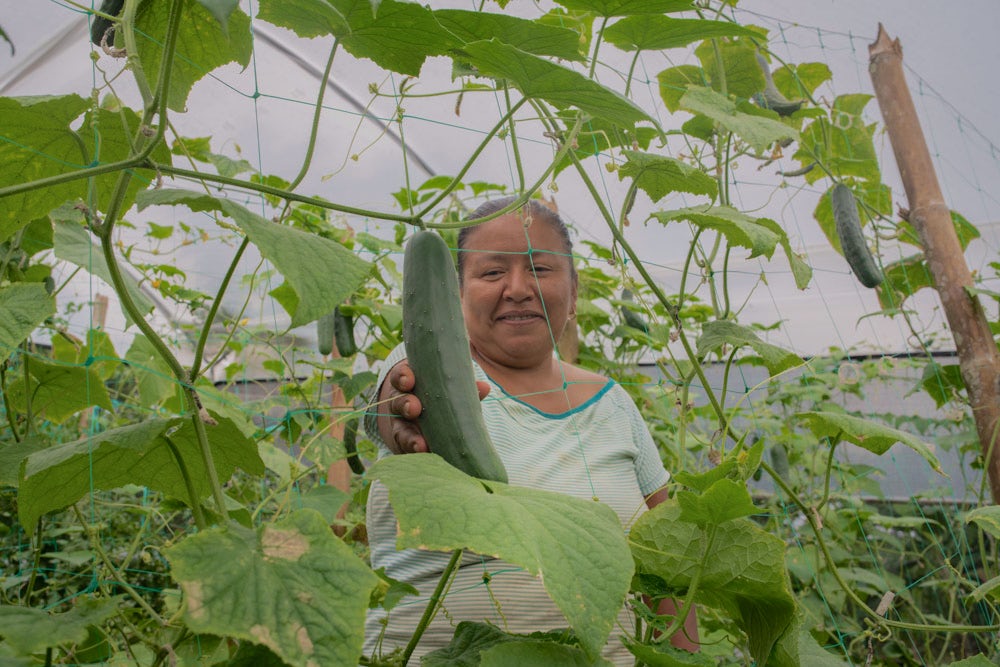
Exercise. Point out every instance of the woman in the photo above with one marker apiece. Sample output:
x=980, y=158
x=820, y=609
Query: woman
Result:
x=555, y=427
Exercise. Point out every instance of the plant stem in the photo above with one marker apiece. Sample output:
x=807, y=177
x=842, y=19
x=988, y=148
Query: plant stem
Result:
x=507, y=118
x=513, y=138
x=8, y=409
x=199, y=349
x=682, y=614
x=432, y=605
x=195, y=501
x=597, y=46
x=36, y=563
x=829, y=471
x=316, y=116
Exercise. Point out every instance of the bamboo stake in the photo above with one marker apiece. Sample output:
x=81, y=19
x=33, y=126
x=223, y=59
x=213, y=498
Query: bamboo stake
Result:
x=930, y=216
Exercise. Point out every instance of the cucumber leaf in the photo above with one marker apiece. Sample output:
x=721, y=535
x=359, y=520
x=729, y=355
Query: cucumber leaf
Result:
x=203, y=44
x=741, y=571
x=24, y=306
x=757, y=131
x=611, y=8
x=541, y=79
x=576, y=546
x=657, y=32
x=306, y=294
x=876, y=438
x=721, y=333
x=659, y=175
x=141, y=453
x=309, y=595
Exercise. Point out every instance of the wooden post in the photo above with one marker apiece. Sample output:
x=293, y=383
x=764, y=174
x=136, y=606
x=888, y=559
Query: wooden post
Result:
x=930, y=216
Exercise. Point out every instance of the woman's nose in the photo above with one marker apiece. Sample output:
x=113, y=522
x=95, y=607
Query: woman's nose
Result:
x=520, y=285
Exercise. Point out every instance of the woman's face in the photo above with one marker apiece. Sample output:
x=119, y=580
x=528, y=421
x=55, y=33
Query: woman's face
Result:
x=516, y=303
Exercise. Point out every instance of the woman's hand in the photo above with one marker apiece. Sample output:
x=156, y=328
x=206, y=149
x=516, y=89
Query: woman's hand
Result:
x=398, y=424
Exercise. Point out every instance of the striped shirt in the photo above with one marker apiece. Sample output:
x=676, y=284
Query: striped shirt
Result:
x=600, y=449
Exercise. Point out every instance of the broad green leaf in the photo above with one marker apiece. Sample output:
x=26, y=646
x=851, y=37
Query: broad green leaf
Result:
x=307, y=18
x=723, y=501
x=73, y=245
x=307, y=293
x=738, y=228
x=97, y=351
x=876, y=438
x=38, y=143
x=326, y=499
x=37, y=236
x=987, y=518
x=801, y=272
x=612, y=8
x=656, y=32
x=31, y=630
x=797, y=81
x=541, y=79
x=665, y=655
x=398, y=37
x=203, y=44
x=530, y=36
x=703, y=480
x=538, y=653
x=221, y=10
x=721, y=333
x=11, y=455
x=59, y=391
x=142, y=453
x=389, y=592
x=942, y=383
x=24, y=306
x=759, y=132
x=291, y=586
x=659, y=175
x=109, y=136
x=473, y=644
x=841, y=142
x=580, y=22
x=575, y=546
x=798, y=648
x=674, y=82
x=743, y=75
x=742, y=572
x=153, y=376
x=903, y=279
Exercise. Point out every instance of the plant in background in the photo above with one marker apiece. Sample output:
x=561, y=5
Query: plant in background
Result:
x=129, y=479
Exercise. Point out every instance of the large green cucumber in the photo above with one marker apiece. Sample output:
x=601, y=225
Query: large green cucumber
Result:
x=852, y=239
x=437, y=348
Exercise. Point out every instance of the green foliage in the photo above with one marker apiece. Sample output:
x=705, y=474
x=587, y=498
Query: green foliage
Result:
x=127, y=480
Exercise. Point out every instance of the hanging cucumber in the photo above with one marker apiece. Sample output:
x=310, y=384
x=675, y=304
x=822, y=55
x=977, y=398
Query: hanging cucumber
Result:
x=437, y=348
x=771, y=98
x=343, y=333
x=325, y=331
x=351, y=445
x=101, y=25
x=852, y=239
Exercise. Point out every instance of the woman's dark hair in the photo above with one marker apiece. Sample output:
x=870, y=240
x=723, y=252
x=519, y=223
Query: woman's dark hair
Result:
x=532, y=209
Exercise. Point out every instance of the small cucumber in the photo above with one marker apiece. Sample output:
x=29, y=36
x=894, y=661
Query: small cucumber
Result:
x=350, y=444
x=852, y=239
x=343, y=333
x=437, y=348
x=771, y=98
x=325, y=328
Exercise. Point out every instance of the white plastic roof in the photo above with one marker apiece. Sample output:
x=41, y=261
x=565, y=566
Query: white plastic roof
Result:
x=262, y=114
